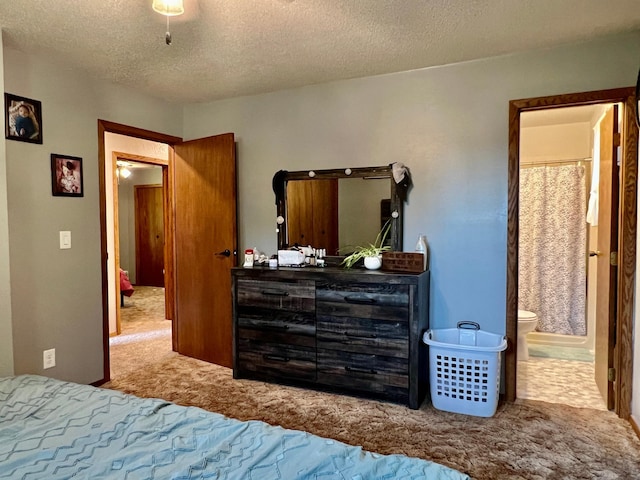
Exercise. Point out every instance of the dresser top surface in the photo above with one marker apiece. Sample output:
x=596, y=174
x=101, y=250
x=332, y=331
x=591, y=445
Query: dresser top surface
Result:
x=330, y=274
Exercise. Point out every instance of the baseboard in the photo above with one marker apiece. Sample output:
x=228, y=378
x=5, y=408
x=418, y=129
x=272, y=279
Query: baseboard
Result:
x=635, y=424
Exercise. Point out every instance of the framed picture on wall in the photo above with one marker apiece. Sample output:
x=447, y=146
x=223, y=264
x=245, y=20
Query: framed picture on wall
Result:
x=66, y=176
x=23, y=119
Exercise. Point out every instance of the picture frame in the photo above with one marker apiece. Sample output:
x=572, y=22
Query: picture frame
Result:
x=66, y=176
x=23, y=119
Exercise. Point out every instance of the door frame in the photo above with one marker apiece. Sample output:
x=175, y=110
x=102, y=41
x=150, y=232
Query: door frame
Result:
x=105, y=126
x=627, y=218
x=129, y=157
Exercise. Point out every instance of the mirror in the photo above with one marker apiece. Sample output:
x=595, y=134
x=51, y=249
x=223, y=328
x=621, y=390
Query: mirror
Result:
x=337, y=209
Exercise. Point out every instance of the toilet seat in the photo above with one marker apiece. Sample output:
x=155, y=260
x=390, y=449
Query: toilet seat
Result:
x=526, y=315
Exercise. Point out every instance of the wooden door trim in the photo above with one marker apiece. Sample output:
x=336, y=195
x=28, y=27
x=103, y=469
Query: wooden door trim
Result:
x=116, y=239
x=623, y=353
x=111, y=127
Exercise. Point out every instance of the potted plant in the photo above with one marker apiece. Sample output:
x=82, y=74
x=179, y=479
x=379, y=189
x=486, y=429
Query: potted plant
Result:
x=371, y=253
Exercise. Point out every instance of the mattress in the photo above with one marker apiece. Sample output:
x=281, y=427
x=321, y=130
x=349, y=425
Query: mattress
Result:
x=50, y=429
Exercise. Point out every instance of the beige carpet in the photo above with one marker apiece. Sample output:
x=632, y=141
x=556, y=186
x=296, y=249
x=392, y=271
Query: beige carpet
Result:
x=525, y=440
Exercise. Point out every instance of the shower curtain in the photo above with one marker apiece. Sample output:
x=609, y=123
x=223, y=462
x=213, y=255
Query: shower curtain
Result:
x=552, y=247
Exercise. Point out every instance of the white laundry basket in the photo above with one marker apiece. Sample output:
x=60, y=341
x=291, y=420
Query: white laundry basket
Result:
x=464, y=369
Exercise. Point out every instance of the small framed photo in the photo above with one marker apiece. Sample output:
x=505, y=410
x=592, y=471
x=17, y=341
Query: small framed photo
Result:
x=66, y=176
x=23, y=119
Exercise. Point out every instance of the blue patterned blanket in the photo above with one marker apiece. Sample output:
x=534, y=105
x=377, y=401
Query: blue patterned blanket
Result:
x=51, y=429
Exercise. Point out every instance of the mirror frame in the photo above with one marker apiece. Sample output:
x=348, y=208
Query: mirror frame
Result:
x=281, y=178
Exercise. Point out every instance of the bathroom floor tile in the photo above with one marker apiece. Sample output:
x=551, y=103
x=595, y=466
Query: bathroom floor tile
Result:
x=559, y=381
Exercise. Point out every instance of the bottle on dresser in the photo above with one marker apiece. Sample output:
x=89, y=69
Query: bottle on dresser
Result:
x=423, y=248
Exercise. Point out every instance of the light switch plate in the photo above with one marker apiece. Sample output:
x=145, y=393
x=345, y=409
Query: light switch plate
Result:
x=49, y=358
x=65, y=239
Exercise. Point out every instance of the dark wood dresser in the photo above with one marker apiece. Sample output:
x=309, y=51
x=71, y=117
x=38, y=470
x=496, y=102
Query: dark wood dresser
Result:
x=354, y=331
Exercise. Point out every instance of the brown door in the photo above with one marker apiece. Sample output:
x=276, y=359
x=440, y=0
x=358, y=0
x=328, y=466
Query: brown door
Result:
x=205, y=227
x=311, y=213
x=607, y=245
x=149, y=235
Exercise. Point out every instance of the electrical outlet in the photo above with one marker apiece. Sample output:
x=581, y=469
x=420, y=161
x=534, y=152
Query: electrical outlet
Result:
x=49, y=358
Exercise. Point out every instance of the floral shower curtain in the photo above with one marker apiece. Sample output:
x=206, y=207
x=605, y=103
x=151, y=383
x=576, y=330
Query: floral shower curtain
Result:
x=552, y=247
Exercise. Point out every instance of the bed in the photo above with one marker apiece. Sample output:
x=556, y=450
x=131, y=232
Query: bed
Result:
x=59, y=430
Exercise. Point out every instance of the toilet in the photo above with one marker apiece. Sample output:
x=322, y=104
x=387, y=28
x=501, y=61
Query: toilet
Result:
x=527, y=322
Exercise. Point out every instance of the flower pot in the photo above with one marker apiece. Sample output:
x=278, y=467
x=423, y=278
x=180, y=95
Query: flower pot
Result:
x=373, y=263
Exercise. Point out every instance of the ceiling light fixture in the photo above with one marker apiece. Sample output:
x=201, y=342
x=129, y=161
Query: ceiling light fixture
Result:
x=122, y=169
x=168, y=8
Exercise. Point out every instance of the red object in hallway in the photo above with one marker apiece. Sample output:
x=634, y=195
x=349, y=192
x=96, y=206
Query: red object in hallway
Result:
x=125, y=284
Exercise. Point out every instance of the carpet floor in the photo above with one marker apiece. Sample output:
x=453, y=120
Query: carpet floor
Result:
x=523, y=440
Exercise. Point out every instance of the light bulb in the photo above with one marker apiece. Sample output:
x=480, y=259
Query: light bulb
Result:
x=170, y=8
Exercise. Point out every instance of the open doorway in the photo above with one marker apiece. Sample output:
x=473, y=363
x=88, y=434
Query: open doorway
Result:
x=559, y=253
x=200, y=244
x=621, y=264
x=140, y=328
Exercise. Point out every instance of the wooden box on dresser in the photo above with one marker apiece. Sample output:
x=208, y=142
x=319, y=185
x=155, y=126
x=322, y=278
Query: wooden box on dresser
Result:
x=353, y=331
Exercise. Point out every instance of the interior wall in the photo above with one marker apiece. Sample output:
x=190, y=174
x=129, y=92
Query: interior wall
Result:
x=358, y=221
x=6, y=331
x=569, y=141
x=448, y=124
x=56, y=295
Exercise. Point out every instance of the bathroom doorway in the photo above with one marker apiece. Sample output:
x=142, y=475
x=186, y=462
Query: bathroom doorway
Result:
x=560, y=152
x=617, y=353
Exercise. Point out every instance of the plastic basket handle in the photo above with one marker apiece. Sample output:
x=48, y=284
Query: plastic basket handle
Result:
x=469, y=325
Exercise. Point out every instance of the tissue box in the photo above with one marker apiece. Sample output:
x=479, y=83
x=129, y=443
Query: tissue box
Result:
x=290, y=257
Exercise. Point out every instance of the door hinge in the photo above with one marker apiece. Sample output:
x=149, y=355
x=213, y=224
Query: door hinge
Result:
x=616, y=139
x=613, y=259
x=611, y=375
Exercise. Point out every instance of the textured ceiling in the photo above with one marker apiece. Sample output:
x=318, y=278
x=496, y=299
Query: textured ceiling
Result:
x=227, y=48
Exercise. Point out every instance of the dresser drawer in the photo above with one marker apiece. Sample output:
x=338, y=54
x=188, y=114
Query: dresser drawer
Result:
x=277, y=337
x=268, y=360
x=381, y=301
x=386, y=376
x=292, y=295
x=277, y=321
x=363, y=335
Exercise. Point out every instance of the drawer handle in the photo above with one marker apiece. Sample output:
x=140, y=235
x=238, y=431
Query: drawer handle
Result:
x=360, y=370
x=359, y=300
x=353, y=335
x=276, y=358
x=275, y=293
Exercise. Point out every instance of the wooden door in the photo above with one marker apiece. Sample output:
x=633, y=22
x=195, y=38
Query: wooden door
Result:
x=149, y=235
x=300, y=212
x=325, y=218
x=312, y=207
x=607, y=245
x=205, y=226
